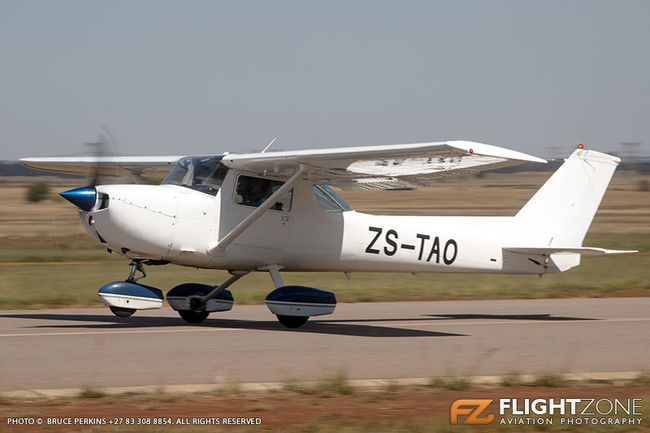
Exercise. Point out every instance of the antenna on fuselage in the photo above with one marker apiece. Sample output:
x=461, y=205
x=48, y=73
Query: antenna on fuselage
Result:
x=269, y=145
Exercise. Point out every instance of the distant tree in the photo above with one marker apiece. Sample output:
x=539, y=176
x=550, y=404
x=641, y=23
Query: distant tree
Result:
x=644, y=185
x=37, y=192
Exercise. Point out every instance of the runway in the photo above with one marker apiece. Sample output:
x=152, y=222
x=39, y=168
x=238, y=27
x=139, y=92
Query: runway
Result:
x=71, y=348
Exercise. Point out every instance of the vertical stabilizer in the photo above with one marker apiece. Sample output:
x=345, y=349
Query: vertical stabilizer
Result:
x=560, y=213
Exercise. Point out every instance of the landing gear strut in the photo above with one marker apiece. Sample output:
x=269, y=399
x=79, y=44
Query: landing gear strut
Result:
x=136, y=265
x=294, y=305
x=286, y=320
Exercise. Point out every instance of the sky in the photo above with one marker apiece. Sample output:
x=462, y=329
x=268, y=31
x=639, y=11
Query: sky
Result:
x=188, y=77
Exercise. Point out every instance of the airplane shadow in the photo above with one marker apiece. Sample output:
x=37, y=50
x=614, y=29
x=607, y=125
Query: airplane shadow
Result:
x=542, y=317
x=96, y=321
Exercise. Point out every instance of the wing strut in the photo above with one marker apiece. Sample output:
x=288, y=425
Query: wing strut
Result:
x=266, y=205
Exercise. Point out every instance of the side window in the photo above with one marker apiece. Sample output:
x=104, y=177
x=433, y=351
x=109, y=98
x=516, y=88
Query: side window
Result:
x=253, y=191
x=329, y=200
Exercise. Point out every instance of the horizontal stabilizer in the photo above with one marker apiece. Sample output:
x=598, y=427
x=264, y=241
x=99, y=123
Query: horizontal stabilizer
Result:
x=585, y=251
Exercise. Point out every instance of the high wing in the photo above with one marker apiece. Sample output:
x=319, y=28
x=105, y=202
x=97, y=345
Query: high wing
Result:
x=110, y=165
x=399, y=166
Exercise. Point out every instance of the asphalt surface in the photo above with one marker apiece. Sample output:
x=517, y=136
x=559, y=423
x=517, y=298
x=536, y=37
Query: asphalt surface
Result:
x=72, y=348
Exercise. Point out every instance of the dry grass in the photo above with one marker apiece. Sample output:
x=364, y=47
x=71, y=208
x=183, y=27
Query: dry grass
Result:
x=47, y=219
x=407, y=409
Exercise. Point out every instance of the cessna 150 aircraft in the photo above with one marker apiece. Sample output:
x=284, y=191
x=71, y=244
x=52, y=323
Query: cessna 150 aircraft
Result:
x=275, y=211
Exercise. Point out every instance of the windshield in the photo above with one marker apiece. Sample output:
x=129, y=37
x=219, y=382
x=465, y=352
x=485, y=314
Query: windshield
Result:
x=201, y=173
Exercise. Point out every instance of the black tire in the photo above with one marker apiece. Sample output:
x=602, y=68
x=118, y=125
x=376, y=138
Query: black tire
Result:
x=293, y=321
x=122, y=312
x=193, y=316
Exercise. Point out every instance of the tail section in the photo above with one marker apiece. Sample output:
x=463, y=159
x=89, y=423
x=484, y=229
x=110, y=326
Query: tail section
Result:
x=550, y=228
x=560, y=213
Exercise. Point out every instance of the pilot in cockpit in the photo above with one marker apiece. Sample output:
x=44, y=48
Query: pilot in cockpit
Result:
x=258, y=190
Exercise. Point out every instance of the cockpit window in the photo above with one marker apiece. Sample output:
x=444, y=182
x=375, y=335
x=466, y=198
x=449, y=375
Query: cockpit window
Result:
x=253, y=191
x=329, y=200
x=201, y=173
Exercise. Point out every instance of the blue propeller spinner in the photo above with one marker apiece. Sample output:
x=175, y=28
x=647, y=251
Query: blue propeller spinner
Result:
x=84, y=197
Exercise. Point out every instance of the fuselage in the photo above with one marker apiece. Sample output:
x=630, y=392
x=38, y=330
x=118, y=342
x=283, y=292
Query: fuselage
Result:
x=179, y=224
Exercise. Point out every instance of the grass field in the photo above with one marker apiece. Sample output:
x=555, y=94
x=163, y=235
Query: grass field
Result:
x=334, y=405
x=35, y=236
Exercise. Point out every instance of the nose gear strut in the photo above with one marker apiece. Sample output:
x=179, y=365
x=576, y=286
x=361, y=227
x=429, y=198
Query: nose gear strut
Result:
x=136, y=265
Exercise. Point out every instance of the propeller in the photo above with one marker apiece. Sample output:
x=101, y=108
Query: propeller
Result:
x=86, y=196
x=102, y=147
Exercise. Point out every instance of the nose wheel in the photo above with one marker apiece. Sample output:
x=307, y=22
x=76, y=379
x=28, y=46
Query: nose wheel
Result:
x=122, y=312
x=128, y=312
x=126, y=297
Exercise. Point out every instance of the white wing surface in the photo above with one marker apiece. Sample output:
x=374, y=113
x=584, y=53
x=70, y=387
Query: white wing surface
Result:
x=104, y=164
x=396, y=166
x=399, y=166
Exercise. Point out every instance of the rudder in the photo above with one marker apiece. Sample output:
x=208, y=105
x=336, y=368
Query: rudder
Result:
x=560, y=213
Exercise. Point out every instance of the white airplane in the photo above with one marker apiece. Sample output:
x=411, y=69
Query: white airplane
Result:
x=275, y=211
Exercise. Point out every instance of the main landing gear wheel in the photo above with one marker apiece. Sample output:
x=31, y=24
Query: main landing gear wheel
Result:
x=292, y=321
x=193, y=316
x=122, y=312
